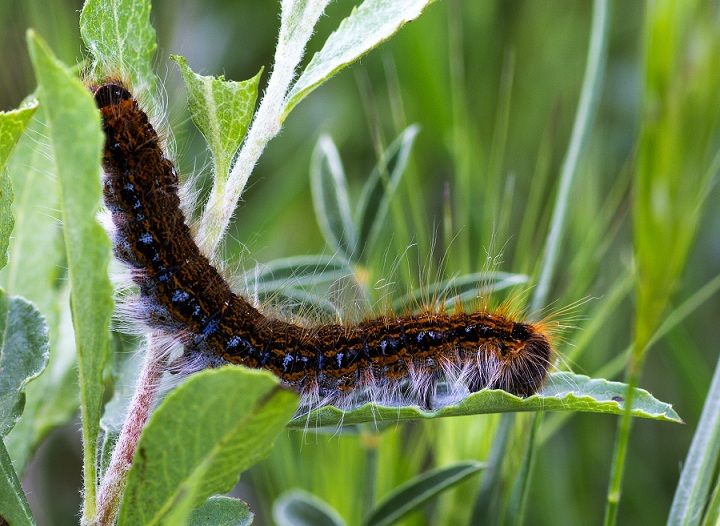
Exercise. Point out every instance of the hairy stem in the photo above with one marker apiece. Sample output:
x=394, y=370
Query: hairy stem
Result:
x=113, y=484
x=297, y=25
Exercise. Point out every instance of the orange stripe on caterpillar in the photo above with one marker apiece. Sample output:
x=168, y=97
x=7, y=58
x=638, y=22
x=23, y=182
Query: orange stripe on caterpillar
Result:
x=389, y=357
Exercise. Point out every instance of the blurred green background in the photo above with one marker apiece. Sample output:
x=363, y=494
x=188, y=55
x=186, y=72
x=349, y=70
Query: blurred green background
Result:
x=494, y=87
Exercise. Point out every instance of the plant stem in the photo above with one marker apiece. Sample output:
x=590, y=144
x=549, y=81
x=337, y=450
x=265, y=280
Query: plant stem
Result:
x=622, y=439
x=296, y=28
x=113, y=484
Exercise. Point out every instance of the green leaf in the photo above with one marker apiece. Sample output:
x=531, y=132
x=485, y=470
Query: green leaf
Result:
x=299, y=508
x=222, y=511
x=712, y=514
x=561, y=392
x=72, y=114
x=12, y=126
x=14, y=509
x=380, y=188
x=23, y=355
x=36, y=271
x=222, y=110
x=368, y=26
x=414, y=493
x=692, y=492
x=121, y=39
x=330, y=198
x=199, y=440
x=297, y=271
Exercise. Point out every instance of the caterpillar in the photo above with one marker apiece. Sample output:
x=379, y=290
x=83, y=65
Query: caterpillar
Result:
x=391, y=357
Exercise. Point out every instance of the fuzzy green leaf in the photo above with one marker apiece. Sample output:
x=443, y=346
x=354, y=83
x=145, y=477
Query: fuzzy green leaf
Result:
x=368, y=26
x=222, y=511
x=222, y=110
x=23, y=355
x=410, y=496
x=72, y=114
x=380, y=188
x=299, y=508
x=121, y=39
x=14, y=509
x=330, y=198
x=561, y=392
x=12, y=126
x=199, y=440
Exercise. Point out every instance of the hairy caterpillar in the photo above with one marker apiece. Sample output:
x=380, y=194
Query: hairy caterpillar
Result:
x=182, y=294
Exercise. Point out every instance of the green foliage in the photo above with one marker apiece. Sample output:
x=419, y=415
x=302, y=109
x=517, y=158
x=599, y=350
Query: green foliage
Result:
x=299, y=508
x=561, y=392
x=677, y=162
x=367, y=27
x=356, y=239
x=72, y=113
x=222, y=511
x=24, y=341
x=188, y=453
x=122, y=41
x=694, y=485
x=486, y=122
x=12, y=126
x=410, y=496
x=35, y=272
x=222, y=111
x=14, y=508
x=23, y=355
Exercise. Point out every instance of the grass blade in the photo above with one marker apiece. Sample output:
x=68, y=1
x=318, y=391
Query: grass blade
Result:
x=299, y=508
x=330, y=198
x=692, y=492
x=409, y=496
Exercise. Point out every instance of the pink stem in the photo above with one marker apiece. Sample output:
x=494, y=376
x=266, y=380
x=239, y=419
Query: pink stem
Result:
x=113, y=483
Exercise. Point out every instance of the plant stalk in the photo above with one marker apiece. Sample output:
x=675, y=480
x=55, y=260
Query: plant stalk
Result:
x=294, y=35
x=113, y=483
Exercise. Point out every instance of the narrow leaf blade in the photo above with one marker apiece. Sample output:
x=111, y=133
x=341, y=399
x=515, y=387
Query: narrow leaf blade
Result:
x=14, y=509
x=71, y=114
x=296, y=271
x=368, y=26
x=380, y=188
x=330, y=198
x=692, y=492
x=410, y=496
x=299, y=508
